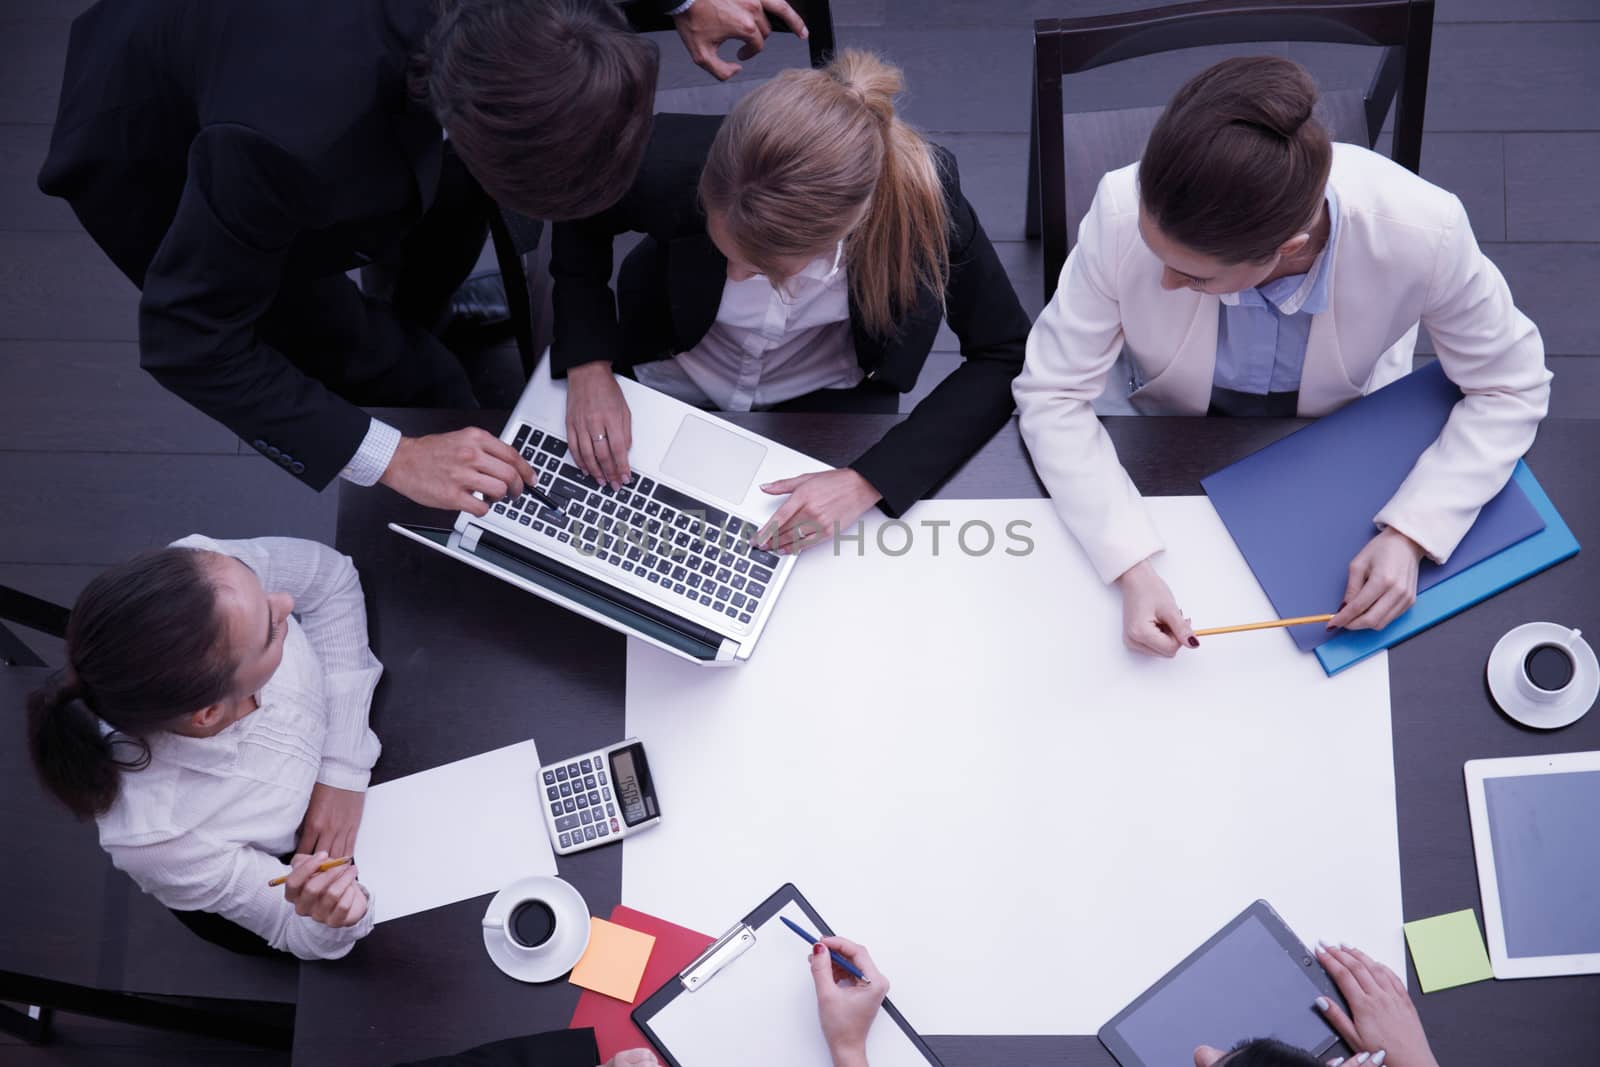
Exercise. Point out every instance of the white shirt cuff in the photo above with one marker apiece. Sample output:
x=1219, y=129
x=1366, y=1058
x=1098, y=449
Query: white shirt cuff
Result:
x=372, y=458
x=681, y=8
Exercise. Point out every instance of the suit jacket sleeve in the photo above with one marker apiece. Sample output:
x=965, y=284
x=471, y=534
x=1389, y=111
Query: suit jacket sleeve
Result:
x=586, y=325
x=215, y=275
x=969, y=406
x=1070, y=353
x=1496, y=356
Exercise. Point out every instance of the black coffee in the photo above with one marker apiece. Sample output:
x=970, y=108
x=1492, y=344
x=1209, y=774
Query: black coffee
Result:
x=1549, y=667
x=532, y=923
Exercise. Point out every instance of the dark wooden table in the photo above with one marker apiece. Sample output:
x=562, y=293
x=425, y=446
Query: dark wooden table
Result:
x=473, y=664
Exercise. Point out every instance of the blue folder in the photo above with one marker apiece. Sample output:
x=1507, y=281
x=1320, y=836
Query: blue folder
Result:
x=1522, y=560
x=1301, y=508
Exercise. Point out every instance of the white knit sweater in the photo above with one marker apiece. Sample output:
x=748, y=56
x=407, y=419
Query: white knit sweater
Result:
x=201, y=827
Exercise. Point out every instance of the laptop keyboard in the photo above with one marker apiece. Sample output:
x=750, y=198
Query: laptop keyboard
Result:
x=688, y=548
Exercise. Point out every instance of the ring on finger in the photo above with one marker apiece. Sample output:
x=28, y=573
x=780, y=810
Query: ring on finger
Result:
x=599, y=437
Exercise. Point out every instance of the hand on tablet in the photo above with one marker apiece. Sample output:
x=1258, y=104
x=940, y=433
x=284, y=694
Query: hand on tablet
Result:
x=847, y=1007
x=1382, y=1016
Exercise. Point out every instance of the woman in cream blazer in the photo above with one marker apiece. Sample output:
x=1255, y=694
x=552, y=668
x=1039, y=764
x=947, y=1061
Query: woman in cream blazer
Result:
x=1240, y=187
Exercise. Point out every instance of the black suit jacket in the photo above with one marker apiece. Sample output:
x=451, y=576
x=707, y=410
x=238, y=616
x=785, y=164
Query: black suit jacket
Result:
x=214, y=148
x=675, y=303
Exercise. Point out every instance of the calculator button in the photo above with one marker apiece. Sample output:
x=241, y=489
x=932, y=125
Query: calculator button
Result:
x=572, y=769
x=588, y=766
x=566, y=841
x=588, y=833
x=555, y=809
x=569, y=806
x=566, y=789
x=611, y=809
x=566, y=822
x=588, y=781
x=614, y=824
x=549, y=778
x=553, y=793
x=744, y=618
x=602, y=776
x=600, y=828
x=586, y=816
x=606, y=789
x=561, y=773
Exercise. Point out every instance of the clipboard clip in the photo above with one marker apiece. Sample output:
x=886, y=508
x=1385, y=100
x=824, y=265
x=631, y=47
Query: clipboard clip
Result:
x=727, y=948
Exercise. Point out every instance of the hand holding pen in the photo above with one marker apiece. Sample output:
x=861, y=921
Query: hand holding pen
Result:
x=846, y=1005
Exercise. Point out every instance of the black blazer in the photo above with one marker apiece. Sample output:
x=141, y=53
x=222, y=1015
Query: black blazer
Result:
x=214, y=148
x=675, y=303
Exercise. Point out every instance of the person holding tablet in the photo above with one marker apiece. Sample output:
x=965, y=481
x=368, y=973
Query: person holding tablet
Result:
x=212, y=717
x=1382, y=1029
x=1248, y=266
x=810, y=240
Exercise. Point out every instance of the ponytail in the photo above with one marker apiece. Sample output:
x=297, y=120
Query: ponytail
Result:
x=1238, y=163
x=145, y=646
x=75, y=760
x=795, y=162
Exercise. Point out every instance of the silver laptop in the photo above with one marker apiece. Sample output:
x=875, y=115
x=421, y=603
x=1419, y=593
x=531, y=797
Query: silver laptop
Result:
x=668, y=558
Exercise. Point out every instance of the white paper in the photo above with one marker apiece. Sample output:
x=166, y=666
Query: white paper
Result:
x=762, y=1009
x=454, y=832
x=959, y=764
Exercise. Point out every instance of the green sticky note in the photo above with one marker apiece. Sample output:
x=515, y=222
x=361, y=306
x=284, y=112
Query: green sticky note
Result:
x=1448, y=950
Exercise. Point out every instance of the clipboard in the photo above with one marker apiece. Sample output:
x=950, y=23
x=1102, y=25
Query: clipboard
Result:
x=749, y=998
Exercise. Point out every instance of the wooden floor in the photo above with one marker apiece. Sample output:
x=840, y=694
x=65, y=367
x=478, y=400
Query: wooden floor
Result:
x=97, y=461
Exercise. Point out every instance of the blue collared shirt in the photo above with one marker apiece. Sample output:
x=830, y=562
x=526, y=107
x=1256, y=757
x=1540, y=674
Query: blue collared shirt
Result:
x=1262, y=332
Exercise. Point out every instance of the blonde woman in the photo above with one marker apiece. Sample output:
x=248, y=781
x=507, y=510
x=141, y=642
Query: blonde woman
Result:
x=810, y=240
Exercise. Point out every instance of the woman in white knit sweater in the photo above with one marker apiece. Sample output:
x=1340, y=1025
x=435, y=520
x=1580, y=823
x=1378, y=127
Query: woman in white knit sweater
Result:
x=212, y=717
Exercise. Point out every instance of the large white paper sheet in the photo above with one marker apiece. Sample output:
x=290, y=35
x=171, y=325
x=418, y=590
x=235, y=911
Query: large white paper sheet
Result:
x=454, y=832
x=1026, y=823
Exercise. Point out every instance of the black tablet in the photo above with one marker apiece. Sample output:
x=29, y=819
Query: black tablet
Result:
x=1252, y=979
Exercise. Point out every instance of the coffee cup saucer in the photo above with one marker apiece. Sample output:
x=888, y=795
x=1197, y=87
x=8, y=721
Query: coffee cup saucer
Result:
x=556, y=956
x=1556, y=710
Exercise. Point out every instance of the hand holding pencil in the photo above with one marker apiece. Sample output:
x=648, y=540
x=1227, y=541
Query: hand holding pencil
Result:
x=328, y=891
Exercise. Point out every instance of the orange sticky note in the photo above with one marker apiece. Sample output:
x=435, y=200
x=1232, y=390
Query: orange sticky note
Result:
x=614, y=961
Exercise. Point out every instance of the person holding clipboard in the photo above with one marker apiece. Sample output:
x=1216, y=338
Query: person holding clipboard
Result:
x=1248, y=266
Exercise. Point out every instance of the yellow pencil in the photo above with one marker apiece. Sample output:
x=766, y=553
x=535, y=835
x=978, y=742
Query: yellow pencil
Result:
x=326, y=865
x=1273, y=624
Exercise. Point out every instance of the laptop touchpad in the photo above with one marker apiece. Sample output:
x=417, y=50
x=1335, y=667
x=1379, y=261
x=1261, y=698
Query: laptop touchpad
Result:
x=716, y=461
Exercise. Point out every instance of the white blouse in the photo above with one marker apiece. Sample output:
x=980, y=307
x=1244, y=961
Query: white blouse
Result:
x=768, y=345
x=201, y=827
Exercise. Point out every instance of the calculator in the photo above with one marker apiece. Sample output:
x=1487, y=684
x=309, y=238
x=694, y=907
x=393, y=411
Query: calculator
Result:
x=599, y=798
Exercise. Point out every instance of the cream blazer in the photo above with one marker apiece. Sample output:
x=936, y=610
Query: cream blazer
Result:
x=1405, y=256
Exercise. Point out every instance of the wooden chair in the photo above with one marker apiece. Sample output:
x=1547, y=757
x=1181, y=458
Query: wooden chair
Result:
x=1059, y=194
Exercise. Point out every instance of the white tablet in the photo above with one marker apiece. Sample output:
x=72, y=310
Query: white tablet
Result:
x=1533, y=830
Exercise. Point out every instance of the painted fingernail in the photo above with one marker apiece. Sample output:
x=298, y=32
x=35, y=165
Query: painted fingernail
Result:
x=1377, y=1058
x=1323, y=1003
x=1362, y=1058
x=1335, y=1062
x=817, y=949
x=1346, y=945
x=1194, y=642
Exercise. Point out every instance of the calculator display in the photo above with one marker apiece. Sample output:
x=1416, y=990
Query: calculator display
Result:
x=631, y=776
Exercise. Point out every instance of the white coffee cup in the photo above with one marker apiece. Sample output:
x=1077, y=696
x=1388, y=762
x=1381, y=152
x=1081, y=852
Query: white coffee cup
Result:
x=536, y=929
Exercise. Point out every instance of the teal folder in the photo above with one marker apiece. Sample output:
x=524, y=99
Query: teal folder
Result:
x=1462, y=590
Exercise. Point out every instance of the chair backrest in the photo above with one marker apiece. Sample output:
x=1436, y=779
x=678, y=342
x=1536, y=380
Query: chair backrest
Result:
x=1403, y=28
x=36, y=614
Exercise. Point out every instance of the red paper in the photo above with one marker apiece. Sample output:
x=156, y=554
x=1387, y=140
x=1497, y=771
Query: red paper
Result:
x=675, y=948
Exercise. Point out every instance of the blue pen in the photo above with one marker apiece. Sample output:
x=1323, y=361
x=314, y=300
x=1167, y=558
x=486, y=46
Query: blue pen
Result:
x=840, y=960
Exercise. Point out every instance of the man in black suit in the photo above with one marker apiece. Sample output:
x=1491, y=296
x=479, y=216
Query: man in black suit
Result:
x=235, y=158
